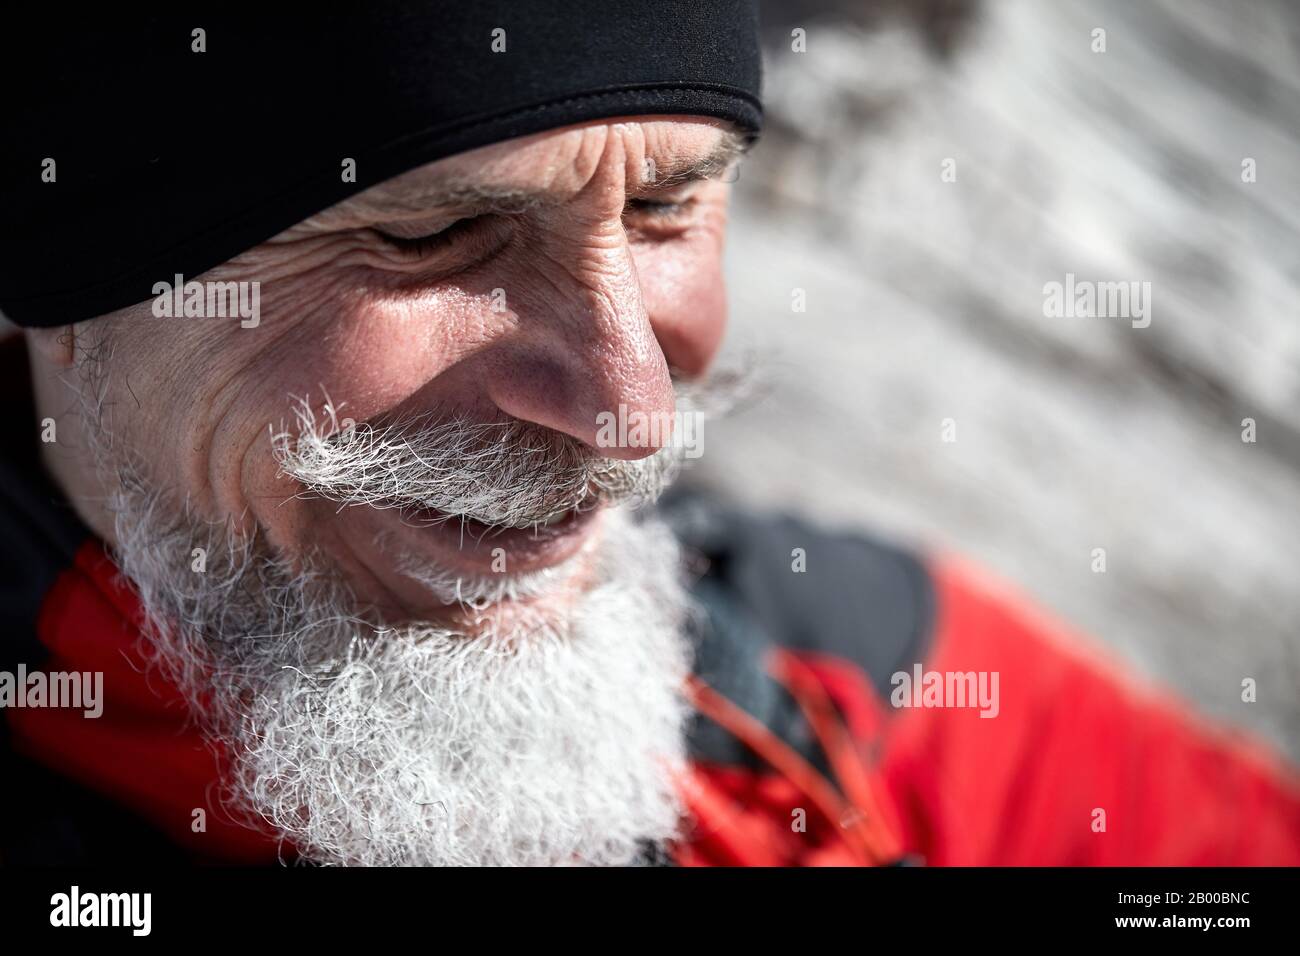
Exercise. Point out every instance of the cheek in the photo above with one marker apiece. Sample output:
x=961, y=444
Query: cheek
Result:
x=684, y=295
x=328, y=334
x=366, y=342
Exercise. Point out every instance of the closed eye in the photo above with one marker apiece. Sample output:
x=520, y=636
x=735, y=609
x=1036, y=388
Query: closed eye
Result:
x=658, y=209
x=659, y=220
x=443, y=238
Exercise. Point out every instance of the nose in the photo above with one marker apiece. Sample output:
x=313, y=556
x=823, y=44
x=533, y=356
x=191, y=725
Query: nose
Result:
x=584, y=359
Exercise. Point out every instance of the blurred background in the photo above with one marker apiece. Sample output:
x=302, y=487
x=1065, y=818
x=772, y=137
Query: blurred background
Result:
x=924, y=301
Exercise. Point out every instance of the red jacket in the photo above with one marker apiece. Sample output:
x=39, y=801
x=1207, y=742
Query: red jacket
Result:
x=1081, y=766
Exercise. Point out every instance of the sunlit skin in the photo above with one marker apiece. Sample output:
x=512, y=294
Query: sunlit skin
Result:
x=605, y=292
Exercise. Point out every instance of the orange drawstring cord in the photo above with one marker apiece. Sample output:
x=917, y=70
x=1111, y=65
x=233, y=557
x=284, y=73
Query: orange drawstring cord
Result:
x=739, y=840
x=841, y=749
x=860, y=826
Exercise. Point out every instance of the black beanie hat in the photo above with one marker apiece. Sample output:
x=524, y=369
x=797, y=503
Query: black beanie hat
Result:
x=166, y=145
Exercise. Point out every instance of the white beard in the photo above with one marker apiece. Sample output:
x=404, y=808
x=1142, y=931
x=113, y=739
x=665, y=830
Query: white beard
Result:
x=546, y=742
x=553, y=738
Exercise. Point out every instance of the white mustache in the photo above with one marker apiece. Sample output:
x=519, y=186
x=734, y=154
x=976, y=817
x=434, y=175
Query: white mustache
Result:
x=507, y=474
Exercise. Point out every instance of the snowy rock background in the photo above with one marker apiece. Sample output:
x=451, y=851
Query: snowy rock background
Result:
x=924, y=301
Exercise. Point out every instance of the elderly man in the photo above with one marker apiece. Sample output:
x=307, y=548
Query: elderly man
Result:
x=341, y=336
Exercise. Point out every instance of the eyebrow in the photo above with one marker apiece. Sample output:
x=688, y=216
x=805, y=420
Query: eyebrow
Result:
x=478, y=198
x=730, y=148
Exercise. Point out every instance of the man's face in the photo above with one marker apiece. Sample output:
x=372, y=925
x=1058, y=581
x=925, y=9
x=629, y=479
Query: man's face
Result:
x=543, y=281
x=421, y=629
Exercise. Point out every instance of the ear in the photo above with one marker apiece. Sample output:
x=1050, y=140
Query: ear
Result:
x=57, y=346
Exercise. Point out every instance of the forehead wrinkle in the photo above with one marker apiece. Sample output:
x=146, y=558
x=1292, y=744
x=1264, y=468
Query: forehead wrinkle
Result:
x=420, y=197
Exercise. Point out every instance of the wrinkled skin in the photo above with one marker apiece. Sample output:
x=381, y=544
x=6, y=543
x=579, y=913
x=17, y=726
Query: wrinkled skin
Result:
x=604, y=295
